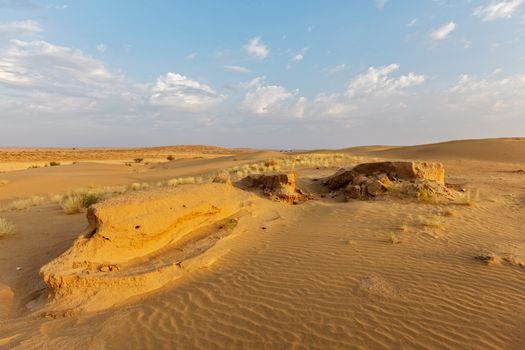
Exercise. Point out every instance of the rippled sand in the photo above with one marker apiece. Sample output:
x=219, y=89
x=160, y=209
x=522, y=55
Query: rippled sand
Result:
x=317, y=275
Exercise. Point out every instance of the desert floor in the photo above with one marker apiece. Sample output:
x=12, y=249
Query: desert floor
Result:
x=317, y=275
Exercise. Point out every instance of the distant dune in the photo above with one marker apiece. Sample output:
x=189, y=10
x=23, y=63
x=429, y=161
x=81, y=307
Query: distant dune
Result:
x=505, y=150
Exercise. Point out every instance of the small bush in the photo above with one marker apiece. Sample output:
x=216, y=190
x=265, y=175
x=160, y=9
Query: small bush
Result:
x=76, y=202
x=138, y=160
x=6, y=228
x=170, y=158
x=54, y=163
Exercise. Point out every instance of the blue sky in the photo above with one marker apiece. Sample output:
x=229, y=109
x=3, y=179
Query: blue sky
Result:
x=273, y=74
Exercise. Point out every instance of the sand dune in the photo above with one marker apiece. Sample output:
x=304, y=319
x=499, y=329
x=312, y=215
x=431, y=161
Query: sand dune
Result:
x=320, y=274
x=508, y=150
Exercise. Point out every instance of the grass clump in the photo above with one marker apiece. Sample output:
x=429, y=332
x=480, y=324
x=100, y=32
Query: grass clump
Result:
x=393, y=238
x=138, y=160
x=426, y=195
x=54, y=163
x=76, y=202
x=170, y=158
x=6, y=228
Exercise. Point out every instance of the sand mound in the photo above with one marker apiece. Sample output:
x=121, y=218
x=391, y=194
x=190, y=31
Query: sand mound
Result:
x=139, y=242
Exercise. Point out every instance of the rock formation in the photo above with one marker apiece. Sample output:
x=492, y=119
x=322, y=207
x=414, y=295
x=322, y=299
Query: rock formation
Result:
x=281, y=187
x=369, y=180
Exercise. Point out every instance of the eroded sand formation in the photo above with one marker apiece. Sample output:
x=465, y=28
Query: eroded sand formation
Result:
x=404, y=179
x=281, y=187
x=139, y=242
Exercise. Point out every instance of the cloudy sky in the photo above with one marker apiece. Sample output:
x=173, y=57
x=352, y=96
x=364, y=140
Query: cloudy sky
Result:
x=273, y=73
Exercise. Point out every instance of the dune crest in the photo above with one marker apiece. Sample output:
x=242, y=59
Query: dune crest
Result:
x=139, y=242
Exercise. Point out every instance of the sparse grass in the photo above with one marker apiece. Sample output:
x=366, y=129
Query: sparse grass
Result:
x=427, y=195
x=6, y=228
x=468, y=198
x=138, y=160
x=24, y=203
x=393, y=238
x=433, y=222
x=76, y=202
x=33, y=166
x=54, y=163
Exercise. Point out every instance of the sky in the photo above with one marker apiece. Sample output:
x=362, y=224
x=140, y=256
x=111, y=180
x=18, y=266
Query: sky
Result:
x=269, y=74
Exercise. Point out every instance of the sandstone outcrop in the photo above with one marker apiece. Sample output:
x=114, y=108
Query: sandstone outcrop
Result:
x=140, y=241
x=422, y=180
x=281, y=187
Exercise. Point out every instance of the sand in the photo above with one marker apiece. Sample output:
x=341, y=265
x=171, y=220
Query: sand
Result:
x=320, y=274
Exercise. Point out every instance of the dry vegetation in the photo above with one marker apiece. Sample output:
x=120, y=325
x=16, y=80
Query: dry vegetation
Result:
x=6, y=228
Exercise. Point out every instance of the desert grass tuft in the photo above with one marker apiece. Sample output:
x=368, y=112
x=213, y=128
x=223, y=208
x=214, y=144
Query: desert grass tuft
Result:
x=6, y=228
x=76, y=201
x=433, y=222
x=393, y=238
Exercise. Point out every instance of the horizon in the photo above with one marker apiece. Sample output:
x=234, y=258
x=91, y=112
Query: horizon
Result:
x=272, y=75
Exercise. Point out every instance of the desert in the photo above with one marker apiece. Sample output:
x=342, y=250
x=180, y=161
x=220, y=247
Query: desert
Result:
x=275, y=254
x=247, y=174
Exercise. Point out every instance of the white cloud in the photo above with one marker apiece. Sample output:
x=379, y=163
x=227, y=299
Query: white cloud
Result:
x=490, y=95
x=336, y=69
x=498, y=9
x=191, y=56
x=102, y=48
x=380, y=3
x=57, y=7
x=27, y=26
x=443, y=32
x=258, y=81
x=377, y=81
x=412, y=23
x=371, y=92
x=299, y=56
x=271, y=100
x=238, y=69
x=256, y=48
x=38, y=64
x=179, y=92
